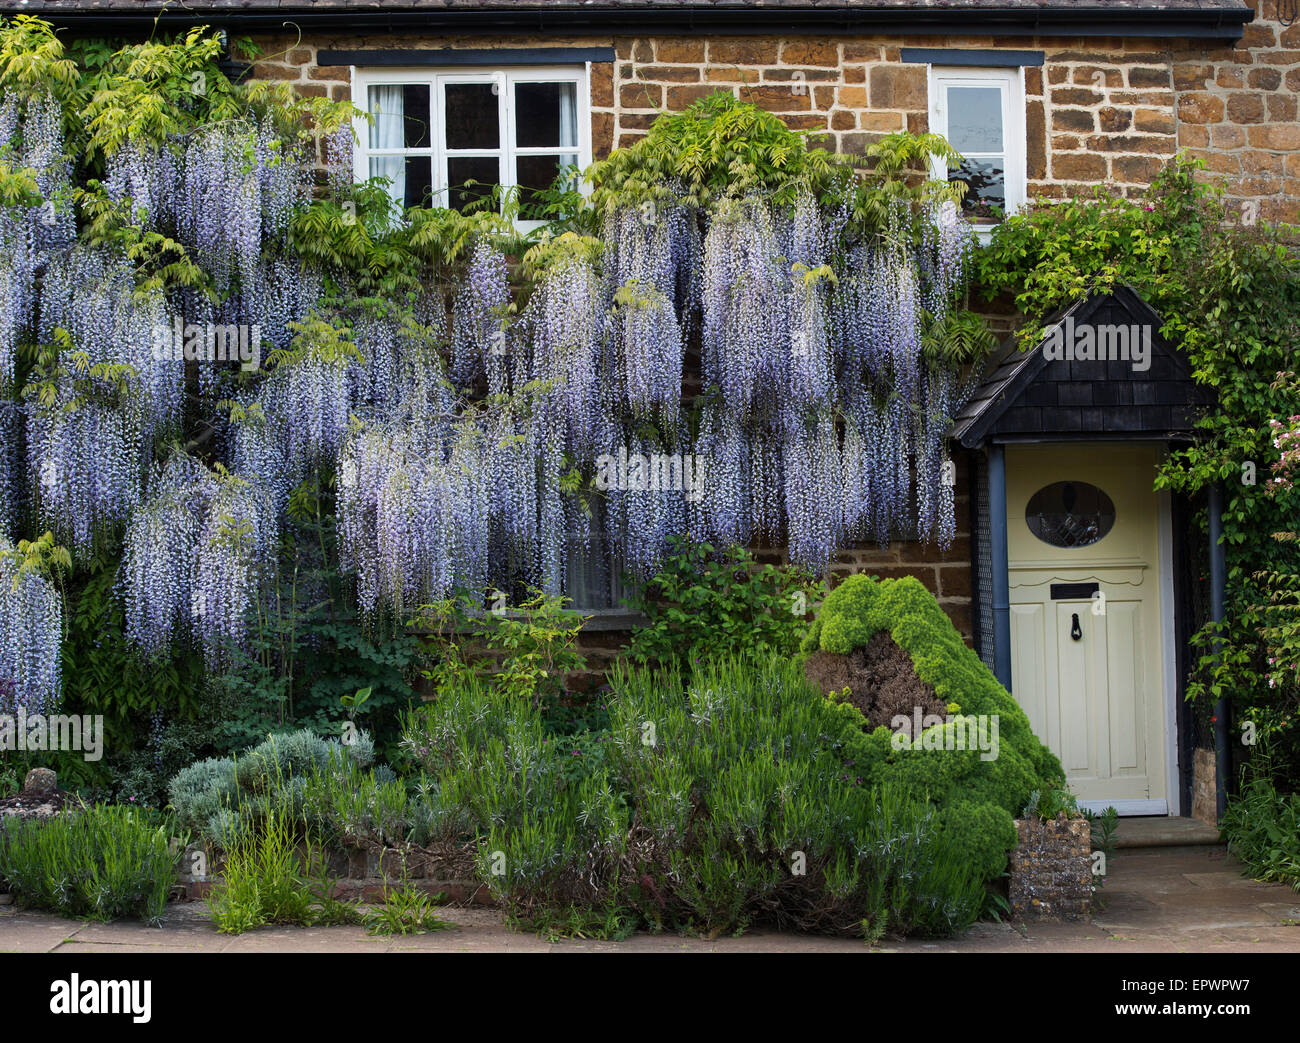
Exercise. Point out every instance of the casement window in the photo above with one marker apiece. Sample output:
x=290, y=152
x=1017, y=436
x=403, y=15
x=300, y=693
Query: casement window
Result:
x=982, y=114
x=594, y=573
x=447, y=138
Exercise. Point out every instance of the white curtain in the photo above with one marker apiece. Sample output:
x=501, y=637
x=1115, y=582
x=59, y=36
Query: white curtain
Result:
x=387, y=108
x=569, y=120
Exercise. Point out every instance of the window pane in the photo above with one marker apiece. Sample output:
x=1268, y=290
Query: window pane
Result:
x=472, y=116
x=533, y=173
x=484, y=169
x=975, y=119
x=401, y=116
x=1070, y=514
x=546, y=114
x=410, y=177
x=985, y=186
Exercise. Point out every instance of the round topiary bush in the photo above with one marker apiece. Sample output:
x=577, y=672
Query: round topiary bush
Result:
x=977, y=789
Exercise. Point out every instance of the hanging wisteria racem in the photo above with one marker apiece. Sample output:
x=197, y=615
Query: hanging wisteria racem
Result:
x=748, y=372
x=31, y=633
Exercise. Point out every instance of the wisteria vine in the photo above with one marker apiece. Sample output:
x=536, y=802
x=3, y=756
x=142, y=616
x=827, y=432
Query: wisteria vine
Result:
x=747, y=372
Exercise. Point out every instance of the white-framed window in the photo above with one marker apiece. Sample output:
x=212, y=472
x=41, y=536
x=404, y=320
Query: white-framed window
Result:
x=982, y=114
x=446, y=137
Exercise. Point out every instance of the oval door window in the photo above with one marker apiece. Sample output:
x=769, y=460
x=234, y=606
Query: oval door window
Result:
x=1070, y=514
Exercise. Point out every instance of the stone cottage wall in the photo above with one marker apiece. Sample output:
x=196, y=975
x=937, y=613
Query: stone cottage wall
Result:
x=1101, y=110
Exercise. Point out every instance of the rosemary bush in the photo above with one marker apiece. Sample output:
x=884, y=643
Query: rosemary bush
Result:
x=102, y=863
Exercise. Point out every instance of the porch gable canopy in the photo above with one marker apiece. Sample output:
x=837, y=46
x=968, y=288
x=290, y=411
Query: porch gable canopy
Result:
x=1102, y=371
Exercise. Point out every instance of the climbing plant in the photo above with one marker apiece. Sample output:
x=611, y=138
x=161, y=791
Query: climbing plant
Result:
x=204, y=336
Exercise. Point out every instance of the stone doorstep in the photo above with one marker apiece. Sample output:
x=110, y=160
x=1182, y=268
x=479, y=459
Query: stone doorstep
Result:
x=1165, y=831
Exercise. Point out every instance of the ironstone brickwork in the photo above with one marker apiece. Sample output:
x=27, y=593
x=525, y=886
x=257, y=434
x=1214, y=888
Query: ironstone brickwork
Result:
x=1051, y=870
x=1098, y=111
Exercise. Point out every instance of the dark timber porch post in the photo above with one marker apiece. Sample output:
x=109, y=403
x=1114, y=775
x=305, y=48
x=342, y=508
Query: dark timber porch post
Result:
x=1218, y=583
x=998, y=552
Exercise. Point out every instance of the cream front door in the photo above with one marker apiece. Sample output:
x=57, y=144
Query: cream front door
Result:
x=1087, y=660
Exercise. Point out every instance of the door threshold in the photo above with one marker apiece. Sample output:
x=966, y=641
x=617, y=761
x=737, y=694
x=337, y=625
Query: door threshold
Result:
x=1126, y=807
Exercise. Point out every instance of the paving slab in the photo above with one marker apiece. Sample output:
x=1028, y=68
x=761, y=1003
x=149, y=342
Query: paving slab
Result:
x=1177, y=898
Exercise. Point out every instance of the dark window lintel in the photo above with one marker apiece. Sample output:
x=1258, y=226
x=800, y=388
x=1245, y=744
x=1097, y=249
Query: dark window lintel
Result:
x=464, y=56
x=983, y=58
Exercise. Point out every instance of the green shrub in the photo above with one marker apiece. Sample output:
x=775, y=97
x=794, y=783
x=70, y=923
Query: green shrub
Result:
x=723, y=146
x=734, y=792
x=1262, y=827
x=219, y=797
x=745, y=811
x=704, y=604
x=358, y=807
x=716, y=804
x=199, y=792
x=861, y=607
x=1050, y=803
x=99, y=864
x=982, y=834
x=528, y=650
x=266, y=881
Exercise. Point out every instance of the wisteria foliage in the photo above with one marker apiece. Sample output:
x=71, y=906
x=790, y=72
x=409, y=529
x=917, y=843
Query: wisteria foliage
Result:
x=31, y=633
x=195, y=559
x=821, y=419
x=770, y=353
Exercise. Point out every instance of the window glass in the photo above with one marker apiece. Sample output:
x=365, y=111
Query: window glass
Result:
x=401, y=116
x=975, y=119
x=534, y=173
x=986, y=186
x=1070, y=514
x=594, y=572
x=982, y=114
x=472, y=117
x=546, y=114
x=975, y=130
x=410, y=178
x=457, y=152
x=472, y=178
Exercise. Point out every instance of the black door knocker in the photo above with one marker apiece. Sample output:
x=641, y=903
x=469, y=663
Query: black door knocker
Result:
x=1075, y=631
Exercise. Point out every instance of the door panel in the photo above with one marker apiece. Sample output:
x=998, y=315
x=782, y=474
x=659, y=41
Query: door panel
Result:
x=1095, y=701
x=1028, y=651
x=1124, y=635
